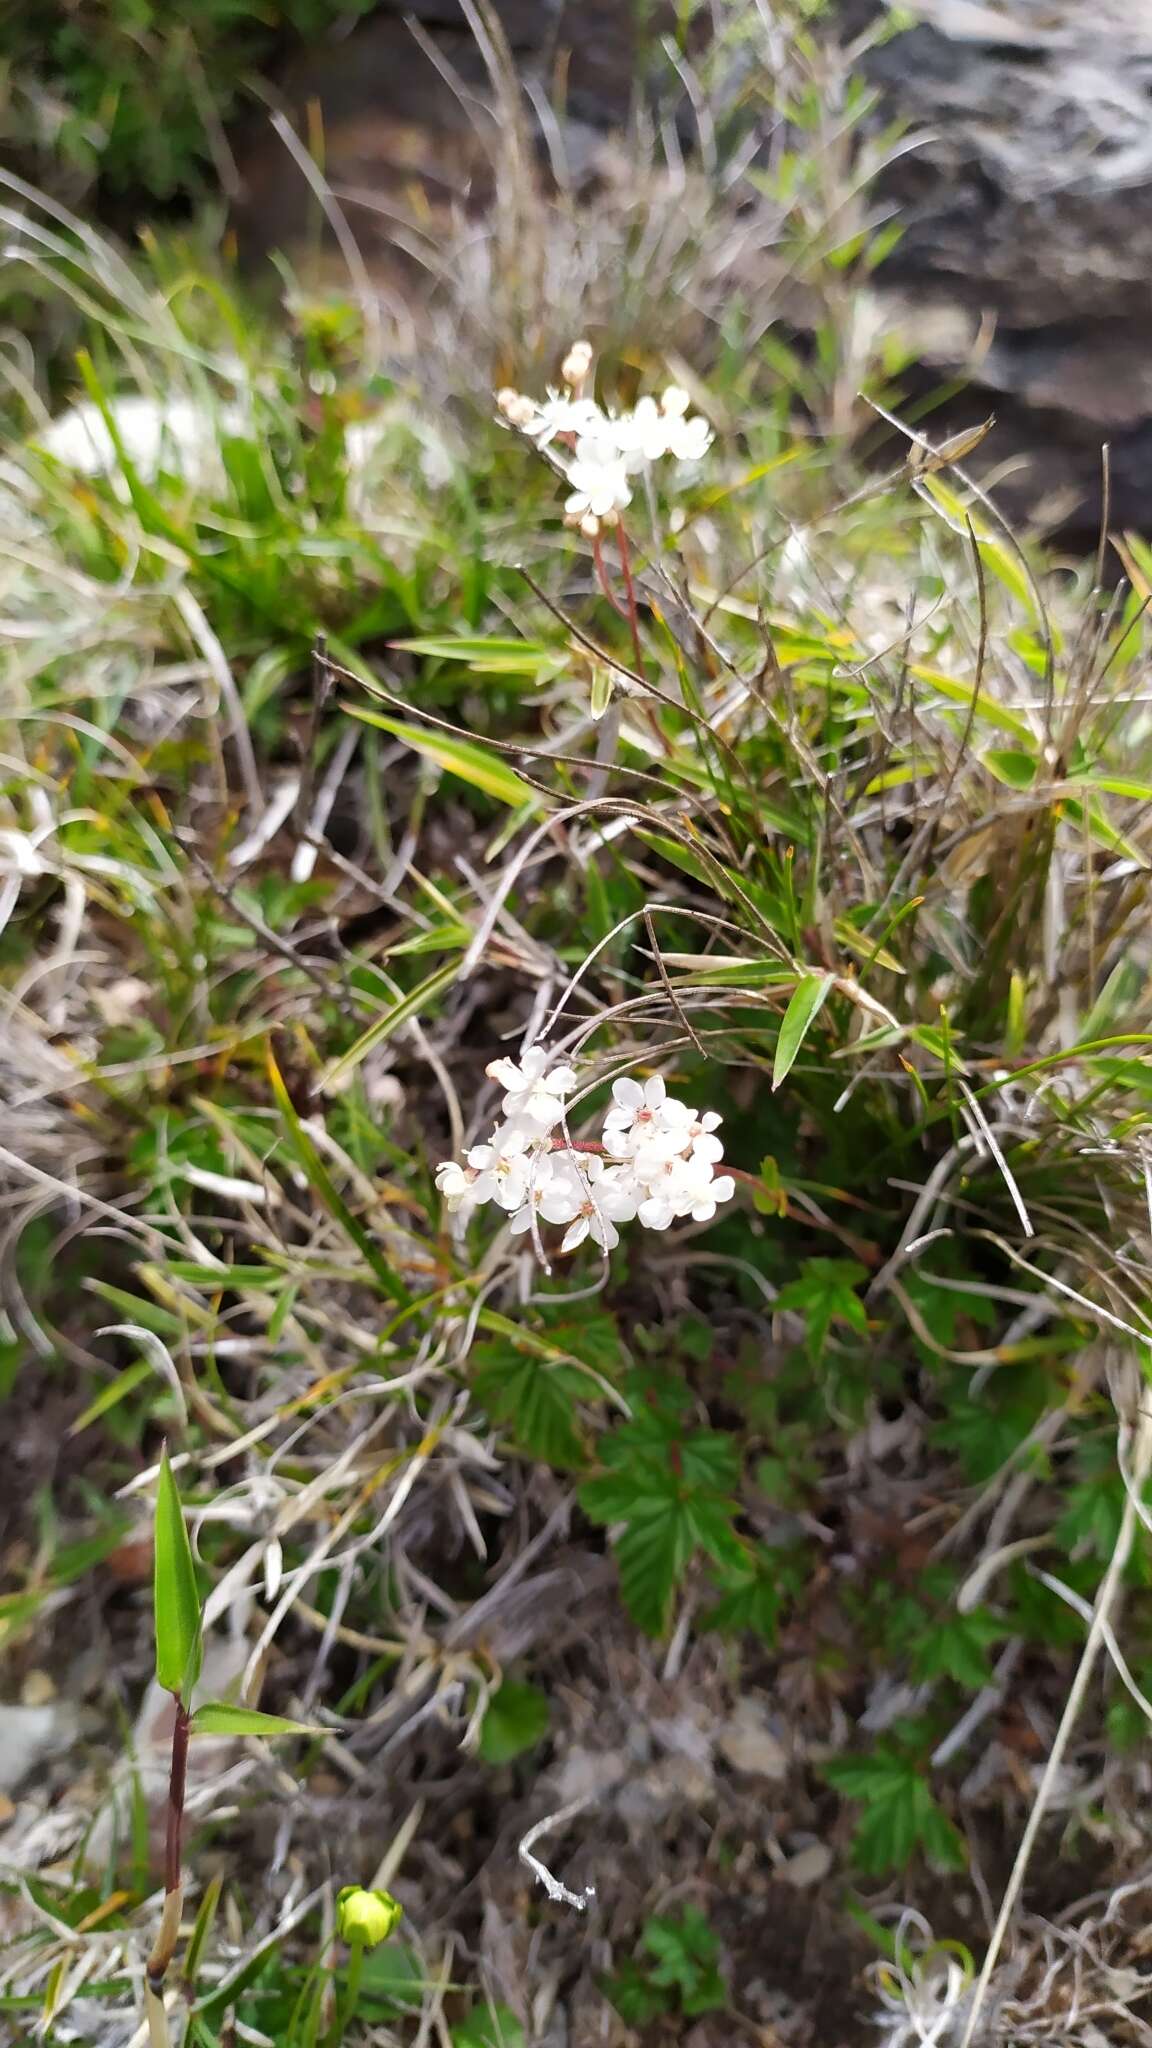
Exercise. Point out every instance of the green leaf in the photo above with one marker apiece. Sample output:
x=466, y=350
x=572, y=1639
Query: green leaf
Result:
x=900, y=1815
x=117, y=1390
x=988, y=711
x=496, y=2026
x=490, y=655
x=825, y=1291
x=535, y=1399
x=175, y=1598
x=217, y=1717
x=1011, y=766
x=632, y=1992
x=957, y=1647
x=686, y=1952
x=517, y=1719
x=752, y=1597
x=473, y=764
x=409, y=1006
x=652, y=1556
x=804, y=1005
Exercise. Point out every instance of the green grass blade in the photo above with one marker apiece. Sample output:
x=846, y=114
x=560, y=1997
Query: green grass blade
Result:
x=319, y=1178
x=338, y=1071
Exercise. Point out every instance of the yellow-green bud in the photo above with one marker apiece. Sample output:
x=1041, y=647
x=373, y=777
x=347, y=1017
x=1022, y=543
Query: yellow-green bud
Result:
x=366, y=1917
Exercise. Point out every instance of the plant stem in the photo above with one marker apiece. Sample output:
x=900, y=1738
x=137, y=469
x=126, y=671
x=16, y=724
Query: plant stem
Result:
x=346, y=2011
x=164, y=1947
x=157, y=2018
x=177, y=1781
x=632, y=614
x=605, y=585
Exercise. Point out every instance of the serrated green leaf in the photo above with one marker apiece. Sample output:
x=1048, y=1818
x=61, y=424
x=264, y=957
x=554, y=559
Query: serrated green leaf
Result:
x=899, y=1814
x=651, y=1557
x=516, y=1720
x=804, y=1005
x=217, y=1717
x=175, y=1596
x=957, y=1647
x=535, y=1399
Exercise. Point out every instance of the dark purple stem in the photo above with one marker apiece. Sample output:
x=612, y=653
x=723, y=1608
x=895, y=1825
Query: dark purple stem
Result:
x=177, y=1779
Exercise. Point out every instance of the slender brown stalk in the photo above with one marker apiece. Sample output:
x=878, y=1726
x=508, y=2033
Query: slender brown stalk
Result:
x=164, y=1947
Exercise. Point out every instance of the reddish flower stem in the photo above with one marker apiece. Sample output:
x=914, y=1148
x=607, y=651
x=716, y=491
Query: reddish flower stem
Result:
x=602, y=575
x=632, y=615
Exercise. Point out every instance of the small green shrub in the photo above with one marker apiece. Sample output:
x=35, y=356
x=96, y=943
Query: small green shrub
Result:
x=132, y=95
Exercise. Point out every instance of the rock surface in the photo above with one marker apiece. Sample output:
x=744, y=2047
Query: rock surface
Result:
x=1026, y=256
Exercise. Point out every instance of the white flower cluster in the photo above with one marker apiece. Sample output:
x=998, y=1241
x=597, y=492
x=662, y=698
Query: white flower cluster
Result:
x=656, y=1162
x=603, y=451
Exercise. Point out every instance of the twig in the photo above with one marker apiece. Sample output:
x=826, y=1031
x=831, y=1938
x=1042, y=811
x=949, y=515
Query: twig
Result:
x=557, y=1892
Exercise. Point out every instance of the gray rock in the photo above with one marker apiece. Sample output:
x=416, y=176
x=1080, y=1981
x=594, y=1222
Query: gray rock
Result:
x=1027, y=214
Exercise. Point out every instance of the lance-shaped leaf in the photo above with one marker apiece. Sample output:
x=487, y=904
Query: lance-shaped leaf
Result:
x=175, y=1599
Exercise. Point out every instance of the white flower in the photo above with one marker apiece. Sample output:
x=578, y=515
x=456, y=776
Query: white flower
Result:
x=540, y=1181
x=534, y=1094
x=720, y=1189
x=591, y=1198
x=641, y=435
x=518, y=409
x=599, y=480
x=642, y=1110
x=657, y=1159
x=502, y=1168
x=561, y=414
x=455, y=1183
x=179, y=435
x=688, y=439
x=675, y=402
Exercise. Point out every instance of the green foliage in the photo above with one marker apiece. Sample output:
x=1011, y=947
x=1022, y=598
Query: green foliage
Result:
x=516, y=1720
x=490, y=2026
x=535, y=1397
x=217, y=1717
x=679, y=1972
x=810, y=882
x=825, y=1293
x=673, y=1494
x=899, y=1814
x=134, y=92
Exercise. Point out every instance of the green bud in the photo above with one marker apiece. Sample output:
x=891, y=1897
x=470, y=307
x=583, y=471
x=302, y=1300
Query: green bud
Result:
x=366, y=1917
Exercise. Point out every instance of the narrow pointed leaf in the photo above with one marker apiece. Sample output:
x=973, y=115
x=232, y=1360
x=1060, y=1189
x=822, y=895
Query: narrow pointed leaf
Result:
x=804, y=1006
x=319, y=1178
x=175, y=1598
x=337, y=1071
x=471, y=762
x=217, y=1717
